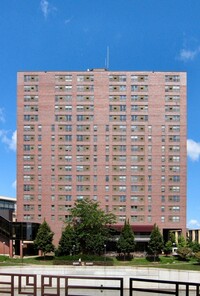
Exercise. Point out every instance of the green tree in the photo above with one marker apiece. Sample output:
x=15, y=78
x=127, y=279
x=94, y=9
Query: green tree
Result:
x=184, y=253
x=67, y=244
x=172, y=238
x=170, y=243
x=126, y=242
x=155, y=244
x=195, y=246
x=91, y=226
x=44, y=239
x=197, y=256
x=181, y=241
x=168, y=247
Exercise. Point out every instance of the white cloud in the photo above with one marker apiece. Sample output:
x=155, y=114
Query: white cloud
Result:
x=188, y=54
x=67, y=21
x=46, y=8
x=14, y=184
x=193, y=223
x=193, y=150
x=9, y=141
x=2, y=118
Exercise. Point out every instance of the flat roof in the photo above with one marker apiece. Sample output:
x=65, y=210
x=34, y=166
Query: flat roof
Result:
x=13, y=199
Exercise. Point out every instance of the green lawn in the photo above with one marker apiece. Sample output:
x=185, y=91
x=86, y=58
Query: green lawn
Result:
x=168, y=262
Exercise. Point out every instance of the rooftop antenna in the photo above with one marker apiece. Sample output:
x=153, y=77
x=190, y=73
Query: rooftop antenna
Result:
x=107, y=58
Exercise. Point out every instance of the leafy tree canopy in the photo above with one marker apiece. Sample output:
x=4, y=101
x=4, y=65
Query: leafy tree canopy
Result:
x=197, y=256
x=155, y=244
x=168, y=247
x=184, y=253
x=181, y=241
x=44, y=239
x=67, y=242
x=90, y=224
x=126, y=242
x=194, y=246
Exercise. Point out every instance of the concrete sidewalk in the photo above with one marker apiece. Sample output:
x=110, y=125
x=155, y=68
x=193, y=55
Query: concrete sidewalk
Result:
x=107, y=271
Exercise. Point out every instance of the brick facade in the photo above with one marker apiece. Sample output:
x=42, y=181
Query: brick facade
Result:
x=115, y=137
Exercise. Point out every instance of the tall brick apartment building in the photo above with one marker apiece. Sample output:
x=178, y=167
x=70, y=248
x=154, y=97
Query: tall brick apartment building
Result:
x=116, y=137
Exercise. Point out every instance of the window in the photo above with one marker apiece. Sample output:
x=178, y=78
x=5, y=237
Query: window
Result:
x=172, y=117
x=175, y=159
x=172, y=78
x=68, y=197
x=63, y=88
x=174, y=198
x=107, y=128
x=175, y=209
x=63, y=78
x=122, y=188
x=163, y=178
x=162, y=188
x=175, y=178
x=139, y=108
x=172, y=88
x=139, y=88
x=174, y=188
x=175, y=138
x=162, y=198
x=162, y=219
x=174, y=168
x=85, y=88
x=28, y=197
x=139, y=117
x=139, y=78
x=134, y=188
x=175, y=99
x=116, y=88
x=134, y=198
x=32, y=98
x=85, y=78
x=122, y=198
x=175, y=219
x=118, y=78
x=30, y=88
x=30, y=117
x=136, y=98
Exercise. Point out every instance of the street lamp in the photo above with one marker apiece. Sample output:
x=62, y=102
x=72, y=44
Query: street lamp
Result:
x=104, y=252
x=4, y=248
x=73, y=249
x=22, y=252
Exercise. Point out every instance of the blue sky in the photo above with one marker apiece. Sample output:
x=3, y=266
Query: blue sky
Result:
x=158, y=35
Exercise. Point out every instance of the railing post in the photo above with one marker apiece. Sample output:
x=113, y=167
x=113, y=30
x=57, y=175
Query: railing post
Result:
x=187, y=289
x=130, y=286
x=197, y=290
x=177, y=289
x=12, y=290
x=121, y=287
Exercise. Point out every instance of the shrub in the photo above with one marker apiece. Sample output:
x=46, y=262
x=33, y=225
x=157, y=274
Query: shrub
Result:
x=197, y=256
x=184, y=253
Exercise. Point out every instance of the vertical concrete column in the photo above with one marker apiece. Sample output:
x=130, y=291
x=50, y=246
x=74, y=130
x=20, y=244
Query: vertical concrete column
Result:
x=11, y=248
x=193, y=235
x=21, y=249
x=176, y=236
